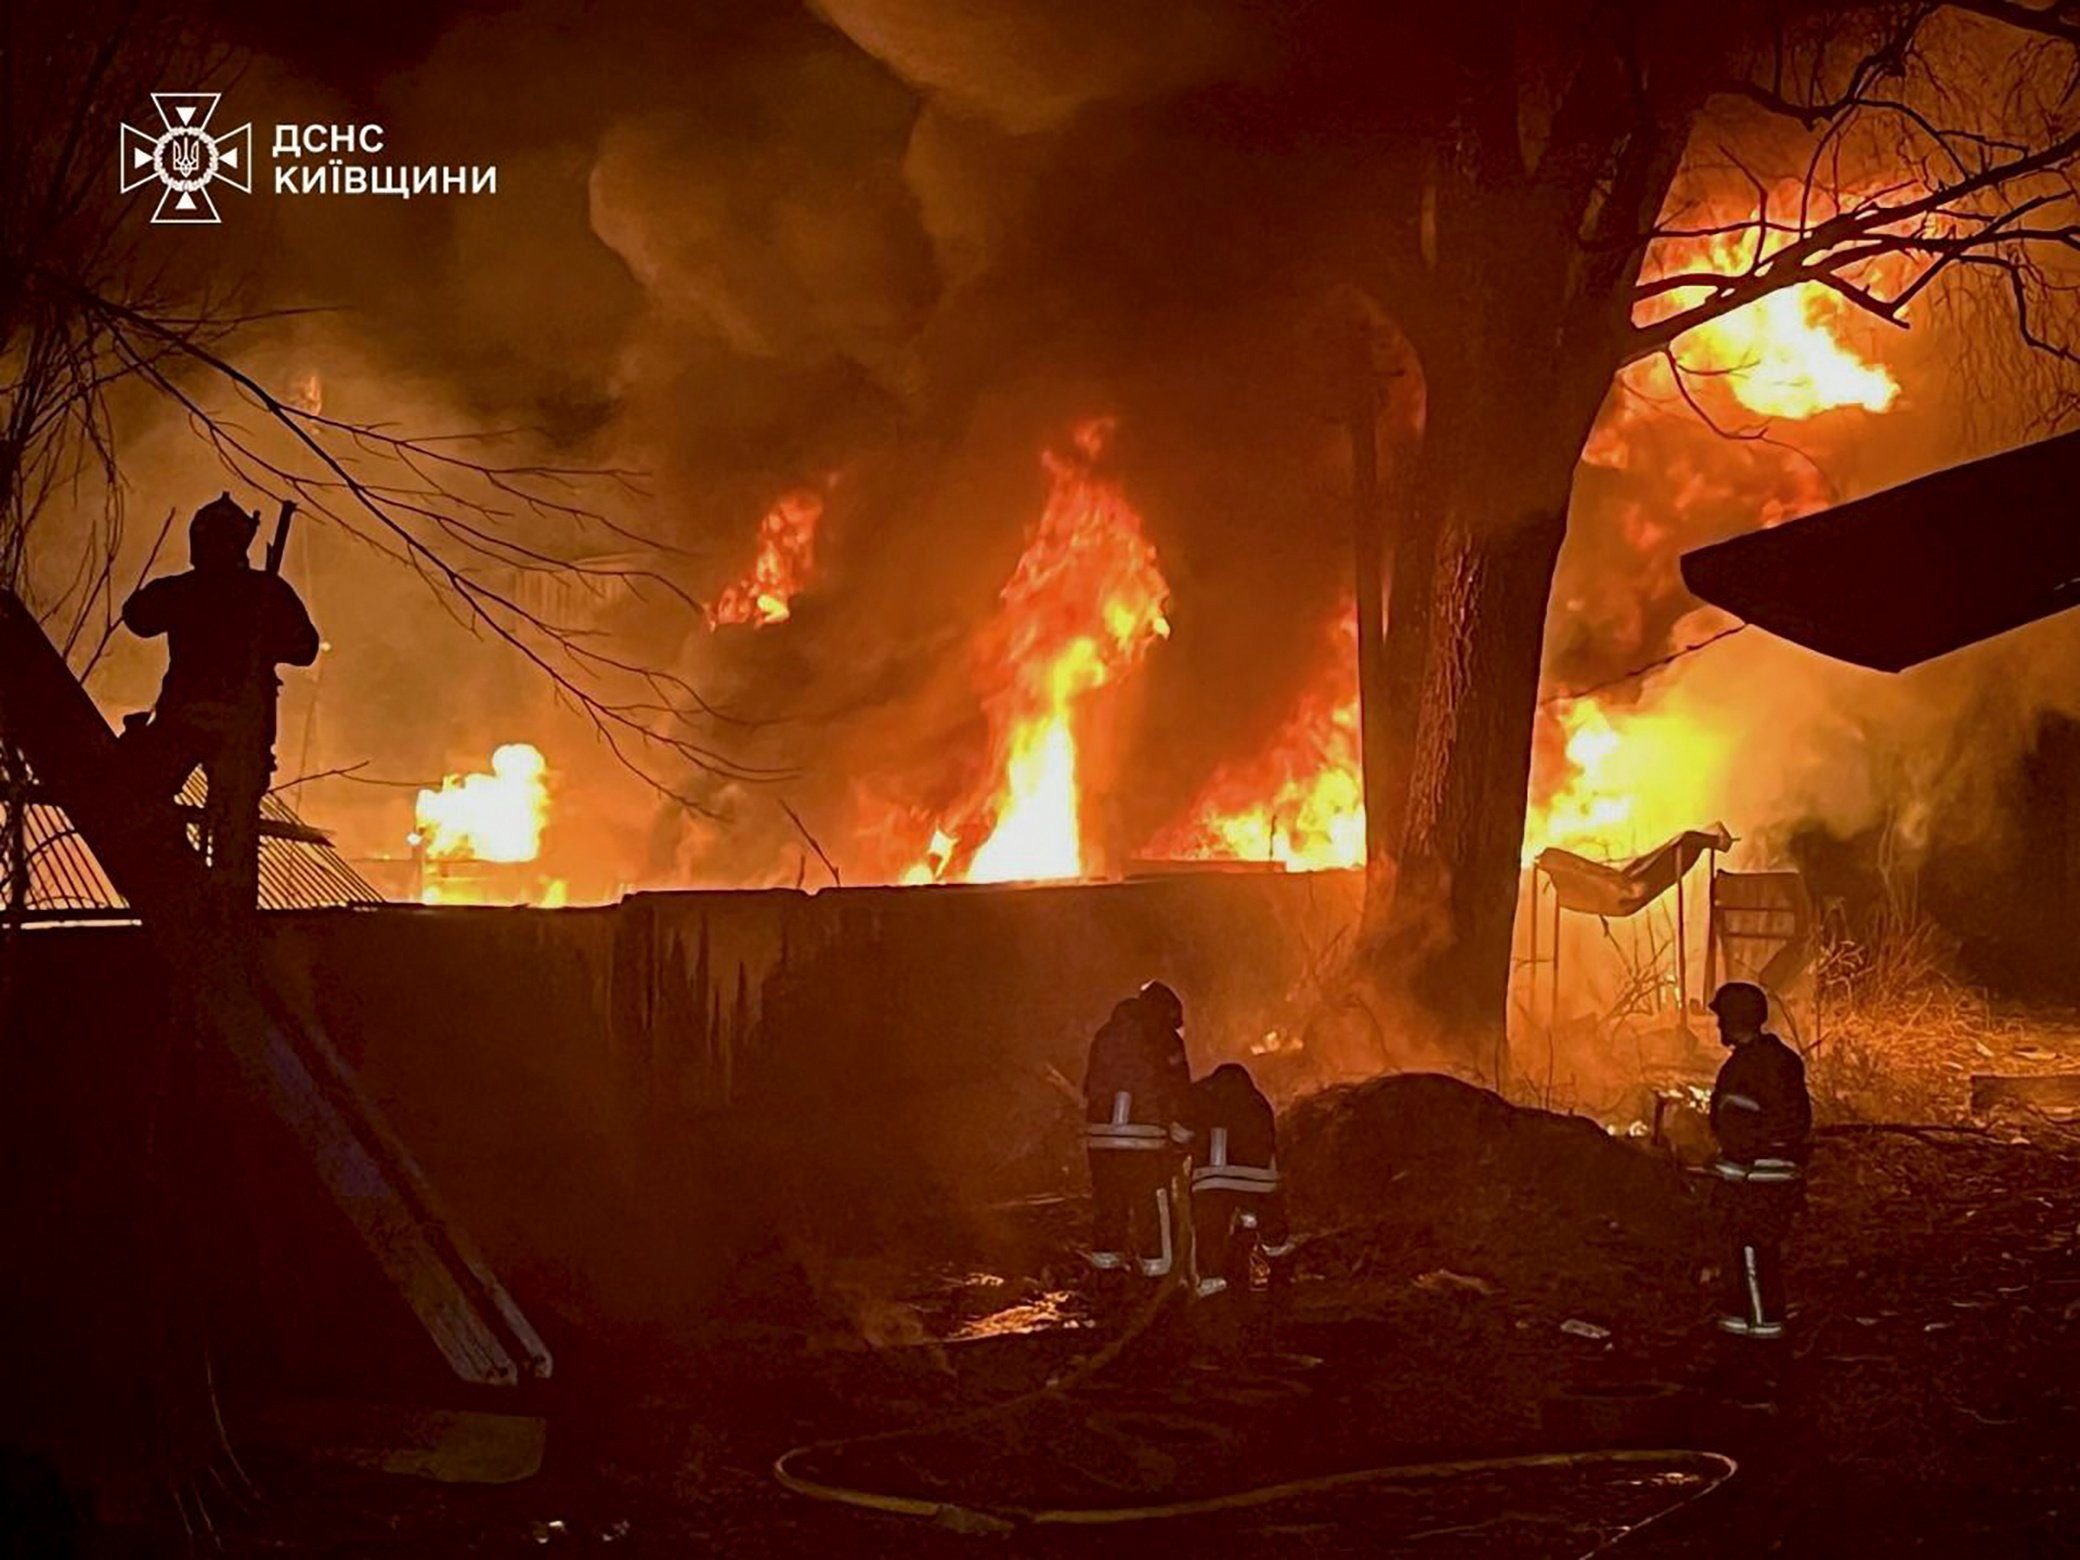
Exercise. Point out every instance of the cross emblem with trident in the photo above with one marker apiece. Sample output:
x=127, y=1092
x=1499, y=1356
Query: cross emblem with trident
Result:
x=186, y=158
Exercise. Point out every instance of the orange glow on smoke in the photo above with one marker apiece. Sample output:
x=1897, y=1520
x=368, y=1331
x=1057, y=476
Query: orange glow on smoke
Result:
x=785, y=564
x=1300, y=800
x=1082, y=608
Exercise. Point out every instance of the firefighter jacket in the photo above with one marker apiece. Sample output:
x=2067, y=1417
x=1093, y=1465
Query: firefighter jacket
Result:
x=226, y=631
x=1761, y=1113
x=1135, y=1083
x=1234, y=1134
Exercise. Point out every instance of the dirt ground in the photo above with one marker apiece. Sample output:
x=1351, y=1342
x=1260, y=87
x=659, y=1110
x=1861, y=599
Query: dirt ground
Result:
x=1927, y=1402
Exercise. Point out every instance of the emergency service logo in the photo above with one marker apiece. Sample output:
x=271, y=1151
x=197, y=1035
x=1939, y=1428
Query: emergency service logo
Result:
x=186, y=157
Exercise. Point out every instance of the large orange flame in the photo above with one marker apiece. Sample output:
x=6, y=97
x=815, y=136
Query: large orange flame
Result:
x=1612, y=778
x=476, y=828
x=1299, y=801
x=785, y=564
x=1626, y=778
x=1081, y=610
x=1789, y=354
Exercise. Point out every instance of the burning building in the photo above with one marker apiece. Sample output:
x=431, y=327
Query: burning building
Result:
x=899, y=522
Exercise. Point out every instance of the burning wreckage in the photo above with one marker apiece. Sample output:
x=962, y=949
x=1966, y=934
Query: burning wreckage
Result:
x=1419, y=955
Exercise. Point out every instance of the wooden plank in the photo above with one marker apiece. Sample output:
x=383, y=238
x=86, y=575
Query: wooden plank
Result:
x=282, y=1054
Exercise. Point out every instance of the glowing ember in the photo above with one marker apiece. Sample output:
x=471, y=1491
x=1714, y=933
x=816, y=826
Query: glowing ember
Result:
x=495, y=817
x=1300, y=801
x=785, y=564
x=1080, y=610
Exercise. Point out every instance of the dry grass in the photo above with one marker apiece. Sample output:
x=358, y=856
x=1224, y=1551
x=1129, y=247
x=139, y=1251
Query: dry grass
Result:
x=1899, y=1033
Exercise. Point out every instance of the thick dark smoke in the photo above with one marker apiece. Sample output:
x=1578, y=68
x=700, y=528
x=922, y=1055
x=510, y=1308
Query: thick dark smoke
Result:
x=893, y=247
x=888, y=248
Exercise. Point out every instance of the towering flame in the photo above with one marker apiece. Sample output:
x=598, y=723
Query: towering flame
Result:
x=1080, y=611
x=1615, y=777
x=488, y=817
x=785, y=564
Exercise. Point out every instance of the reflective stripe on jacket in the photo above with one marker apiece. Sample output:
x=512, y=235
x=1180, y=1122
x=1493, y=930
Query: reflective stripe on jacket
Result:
x=1135, y=1060
x=1218, y=1175
x=1122, y=1131
x=1760, y=1172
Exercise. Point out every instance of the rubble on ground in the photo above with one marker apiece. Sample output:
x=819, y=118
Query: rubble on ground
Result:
x=1402, y=1176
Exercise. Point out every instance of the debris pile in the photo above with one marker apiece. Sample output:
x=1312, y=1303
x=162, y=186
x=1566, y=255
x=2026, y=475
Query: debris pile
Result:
x=1409, y=1176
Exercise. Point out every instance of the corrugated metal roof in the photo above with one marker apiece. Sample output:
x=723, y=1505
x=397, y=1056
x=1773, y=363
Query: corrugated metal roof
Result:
x=299, y=869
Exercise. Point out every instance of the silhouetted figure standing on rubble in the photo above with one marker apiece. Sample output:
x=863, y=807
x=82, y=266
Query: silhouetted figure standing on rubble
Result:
x=1763, y=1119
x=227, y=627
x=1135, y=1088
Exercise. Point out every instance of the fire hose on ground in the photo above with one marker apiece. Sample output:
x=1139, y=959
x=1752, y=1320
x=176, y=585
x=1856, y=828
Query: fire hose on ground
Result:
x=990, y=1518
x=1712, y=1469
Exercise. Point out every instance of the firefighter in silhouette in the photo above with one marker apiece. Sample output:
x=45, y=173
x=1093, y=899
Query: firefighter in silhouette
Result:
x=1763, y=1120
x=1134, y=1092
x=1237, y=1203
x=227, y=627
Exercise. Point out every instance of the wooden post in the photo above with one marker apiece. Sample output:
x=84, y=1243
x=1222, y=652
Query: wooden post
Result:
x=1711, y=925
x=1531, y=964
x=1682, y=954
x=1553, y=1023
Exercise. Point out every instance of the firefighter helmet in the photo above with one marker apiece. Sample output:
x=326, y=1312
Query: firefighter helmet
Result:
x=1741, y=1004
x=1163, y=1005
x=221, y=529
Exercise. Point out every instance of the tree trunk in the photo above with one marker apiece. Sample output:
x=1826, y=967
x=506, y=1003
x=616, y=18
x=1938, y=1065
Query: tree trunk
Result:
x=1517, y=329
x=1466, y=629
